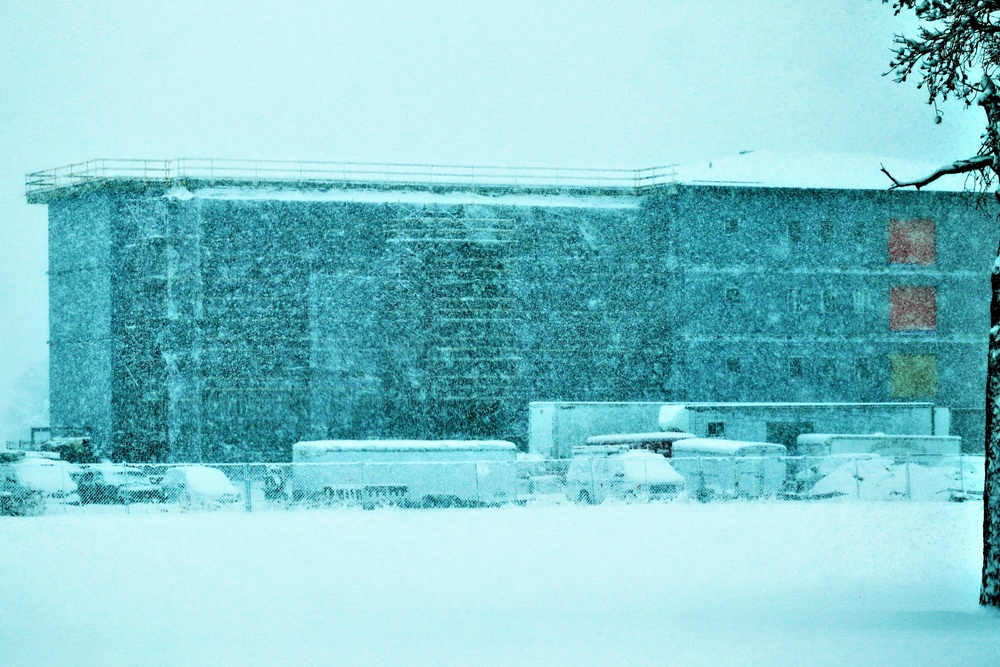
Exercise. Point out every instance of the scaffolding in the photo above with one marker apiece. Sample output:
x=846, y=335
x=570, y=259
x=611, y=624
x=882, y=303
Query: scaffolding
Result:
x=456, y=272
x=257, y=172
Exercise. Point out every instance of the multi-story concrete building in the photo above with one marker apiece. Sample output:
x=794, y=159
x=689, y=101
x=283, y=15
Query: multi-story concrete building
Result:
x=223, y=310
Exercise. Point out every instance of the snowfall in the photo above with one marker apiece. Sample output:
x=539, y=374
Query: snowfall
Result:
x=829, y=582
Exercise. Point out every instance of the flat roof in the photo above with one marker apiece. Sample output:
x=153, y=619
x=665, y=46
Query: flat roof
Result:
x=198, y=173
x=762, y=169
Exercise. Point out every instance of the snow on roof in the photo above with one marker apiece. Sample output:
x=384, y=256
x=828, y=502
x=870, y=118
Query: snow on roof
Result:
x=827, y=438
x=317, y=446
x=381, y=196
x=841, y=171
x=740, y=405
x=617, y=438
x=721, y=446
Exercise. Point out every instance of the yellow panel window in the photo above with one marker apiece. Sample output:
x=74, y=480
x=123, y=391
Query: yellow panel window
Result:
x=913, y=375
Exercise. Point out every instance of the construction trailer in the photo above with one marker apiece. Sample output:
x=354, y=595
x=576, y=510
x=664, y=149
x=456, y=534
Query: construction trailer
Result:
x=835, y=444
x=405, y=472
x=556, y=427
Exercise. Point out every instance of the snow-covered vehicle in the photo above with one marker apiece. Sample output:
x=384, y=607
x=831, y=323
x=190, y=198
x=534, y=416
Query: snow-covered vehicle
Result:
x=629, y=475
x=16, y=499
x=50, y=478
x=116, y=483
x=198, y=485
x=716, y=467
x=405, y=472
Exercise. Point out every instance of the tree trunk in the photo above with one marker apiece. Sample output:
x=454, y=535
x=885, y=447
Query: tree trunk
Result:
x=990, y=593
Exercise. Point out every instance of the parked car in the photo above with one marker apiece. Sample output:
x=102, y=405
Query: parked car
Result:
x=633, y=475
x=51, y=478
x=16, y=499
x=115, y=483
x=195, y=484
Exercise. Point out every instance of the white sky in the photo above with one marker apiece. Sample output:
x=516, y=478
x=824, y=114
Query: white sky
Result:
x=580, y=84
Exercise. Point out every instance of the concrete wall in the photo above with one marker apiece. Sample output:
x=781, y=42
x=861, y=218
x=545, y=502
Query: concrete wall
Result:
x=229, y=324
x=80, y=341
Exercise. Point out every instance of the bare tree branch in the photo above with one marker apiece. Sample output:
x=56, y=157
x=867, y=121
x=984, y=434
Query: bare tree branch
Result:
x=977, y=163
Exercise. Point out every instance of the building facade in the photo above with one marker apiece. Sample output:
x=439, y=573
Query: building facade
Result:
x=222, y=317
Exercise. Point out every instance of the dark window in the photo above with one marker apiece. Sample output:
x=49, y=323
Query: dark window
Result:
x=826, y=230
x=828, y=368
x=796, y=302
x=716, y=429
x=732, y=226
x=912, y=308
x=794, y=231
x=831, y=301
x=733, y=295
x=795, y=367
x=733, y=365
x=860, y=233
x=862, y=301
x=911, y=242
x=862, y=369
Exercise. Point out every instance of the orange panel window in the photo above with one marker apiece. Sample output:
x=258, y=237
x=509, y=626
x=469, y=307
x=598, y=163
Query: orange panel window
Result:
x=911, y=242
x=912, y=309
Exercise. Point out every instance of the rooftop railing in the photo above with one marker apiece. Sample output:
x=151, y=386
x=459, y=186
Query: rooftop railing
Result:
x=279, y=171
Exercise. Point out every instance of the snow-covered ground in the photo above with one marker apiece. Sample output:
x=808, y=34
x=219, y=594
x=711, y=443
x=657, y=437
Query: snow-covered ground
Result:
x=768, y=583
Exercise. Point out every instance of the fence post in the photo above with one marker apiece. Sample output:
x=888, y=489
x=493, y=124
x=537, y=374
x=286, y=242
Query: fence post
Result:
x=479, y=500
x=246, y=487
x=857, y=478
x=961, y=473
x=909, y=490
x=593, y=495
x=364, y=497
x=702, y=494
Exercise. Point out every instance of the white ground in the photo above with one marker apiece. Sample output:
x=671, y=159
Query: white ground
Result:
x=889, y=583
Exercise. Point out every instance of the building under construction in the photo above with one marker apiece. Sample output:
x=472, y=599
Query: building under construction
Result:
x=222, y=310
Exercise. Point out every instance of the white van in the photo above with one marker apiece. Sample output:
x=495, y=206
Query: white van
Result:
x=730, y=468
x=630, y=475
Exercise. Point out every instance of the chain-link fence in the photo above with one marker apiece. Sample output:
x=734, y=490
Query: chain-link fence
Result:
x=45, y=486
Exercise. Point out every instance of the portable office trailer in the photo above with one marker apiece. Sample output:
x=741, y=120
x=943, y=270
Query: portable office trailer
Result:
x=717, y=467
x=782, y=423
x=554, y=428
x=832, y=444
x=408, y=472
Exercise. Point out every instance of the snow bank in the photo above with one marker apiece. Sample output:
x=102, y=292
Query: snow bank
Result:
x=687, y=584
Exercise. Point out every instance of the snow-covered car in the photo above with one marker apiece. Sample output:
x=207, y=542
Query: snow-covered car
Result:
x=114, y=483
x=52, y=478
x=634, y=475
x=196, y=484
x=16, y=499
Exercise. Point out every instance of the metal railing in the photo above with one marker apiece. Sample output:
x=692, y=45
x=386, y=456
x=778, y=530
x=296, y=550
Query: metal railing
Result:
x=251, y=487
x=282, y=171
